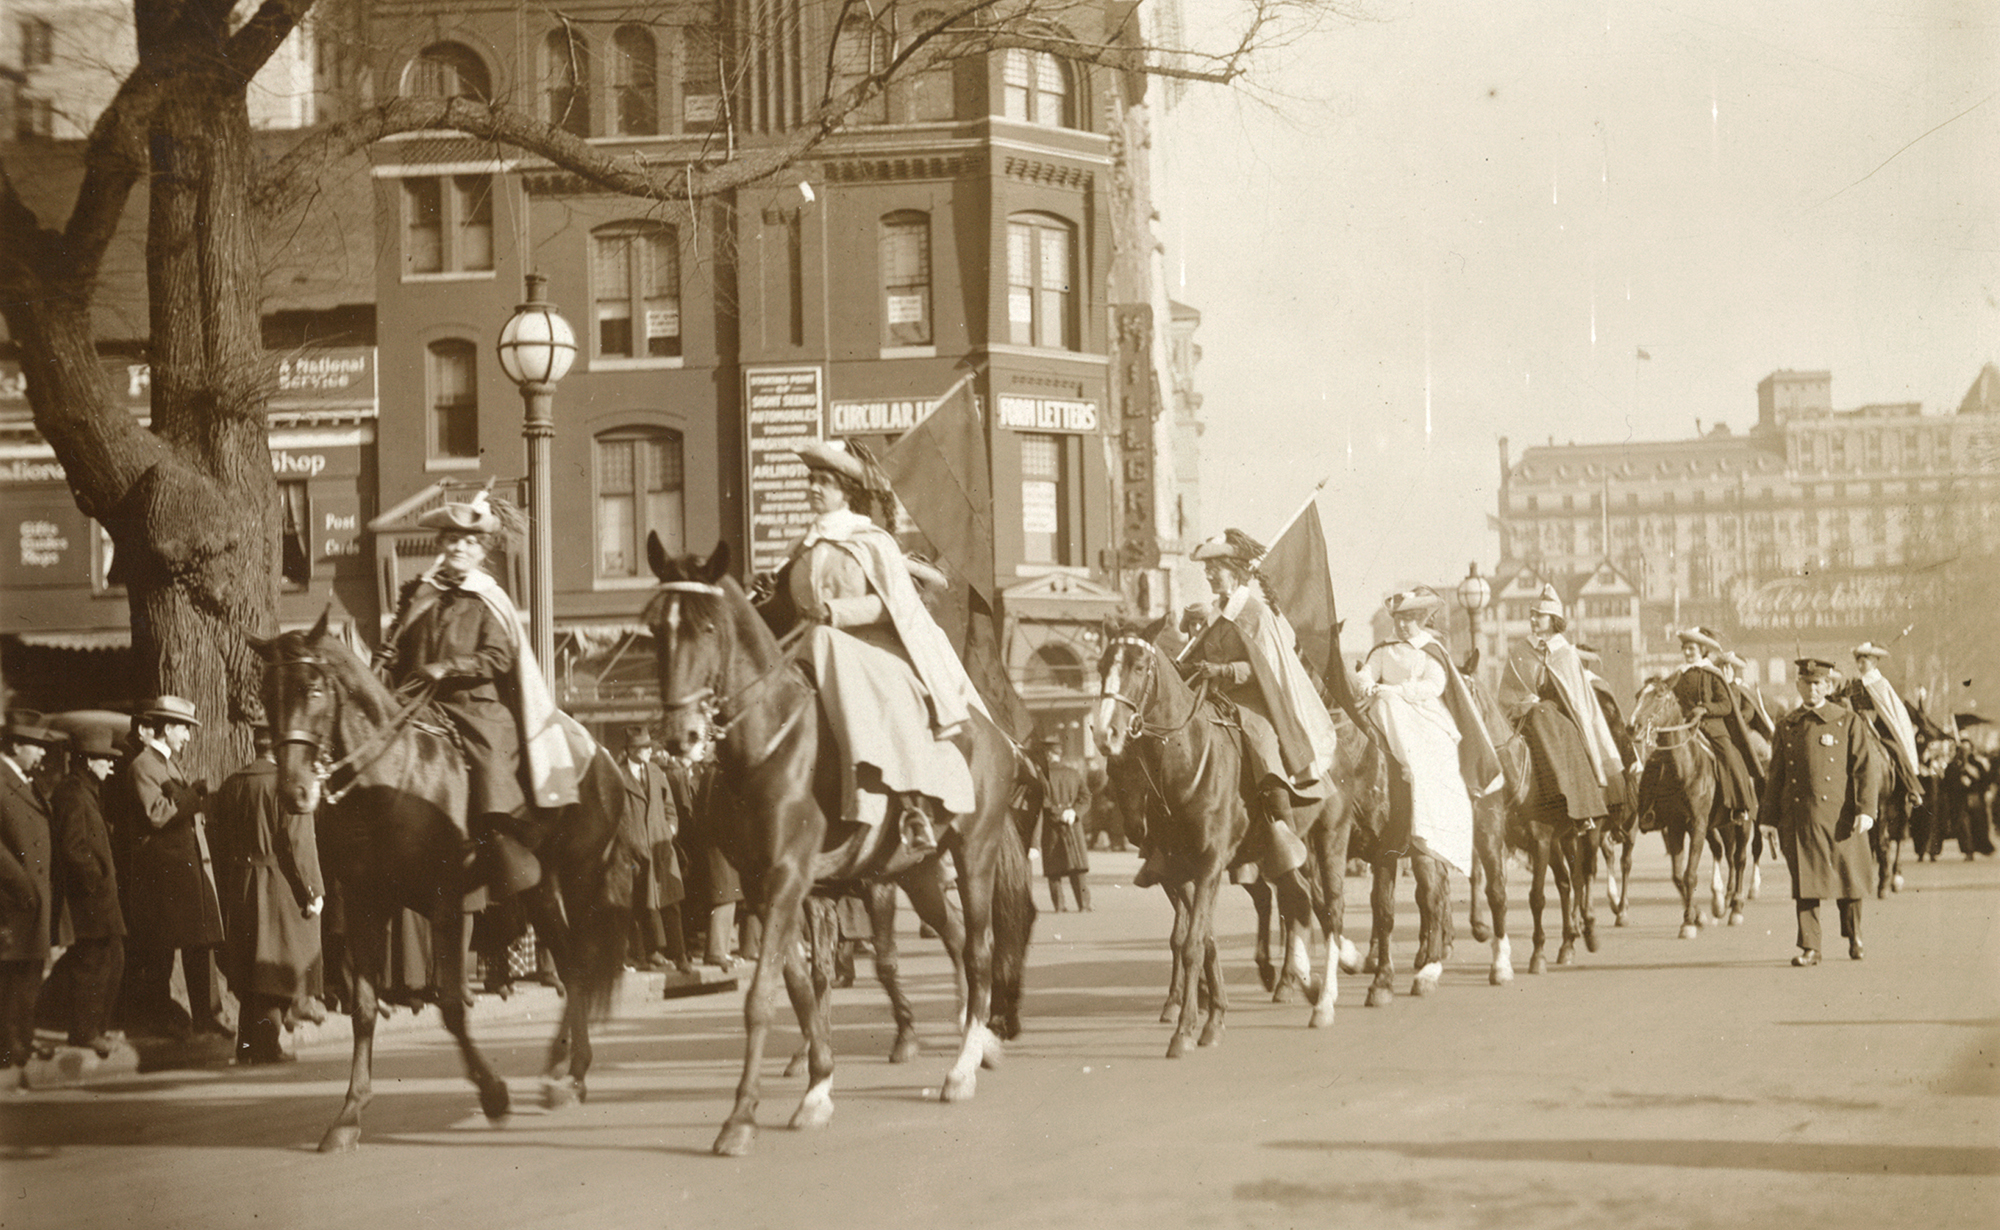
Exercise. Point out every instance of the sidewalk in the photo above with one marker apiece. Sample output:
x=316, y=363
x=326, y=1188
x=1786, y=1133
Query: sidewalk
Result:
x=74, y=1066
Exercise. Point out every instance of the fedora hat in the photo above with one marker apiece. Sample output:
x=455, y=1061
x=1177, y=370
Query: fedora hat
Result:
x=1231, y=544
x=93, y=741
x=475, y=516
x=172, y=709
x=833, y=457
x=18, y=731
x=637, y=738
x=1420, y=603
x=1869, y=649
x=1700, y=636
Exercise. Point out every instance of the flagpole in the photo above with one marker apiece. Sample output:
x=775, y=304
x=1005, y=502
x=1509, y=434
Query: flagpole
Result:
x=1300, y=511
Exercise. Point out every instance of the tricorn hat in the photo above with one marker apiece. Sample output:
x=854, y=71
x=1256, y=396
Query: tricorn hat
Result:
x=1421, y=602
x=1869, y=649
x=1702, y=637
x=475, y=516
x=172, y=709
x=1814, y=668
x=832, y=455
x=1231, y=544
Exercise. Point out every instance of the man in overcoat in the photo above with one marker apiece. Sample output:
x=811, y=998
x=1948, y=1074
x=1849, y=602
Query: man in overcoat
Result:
x=659, y=890
x=170, y=901
x=1065, y=799
x=89, y=969
x=267, y=861
x=1826, y=772
x=26, y=893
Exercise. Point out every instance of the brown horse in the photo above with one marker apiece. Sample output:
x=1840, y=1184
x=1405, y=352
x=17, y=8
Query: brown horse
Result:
x=1191, y=758
x=389, y=790
x=1679, y=786
x=722, y=670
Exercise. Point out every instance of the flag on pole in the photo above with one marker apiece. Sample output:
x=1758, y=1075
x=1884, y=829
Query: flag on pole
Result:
x=1296, y=576
x=939, y=471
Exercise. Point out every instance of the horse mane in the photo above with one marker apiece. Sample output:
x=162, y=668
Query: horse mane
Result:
x=356, y=682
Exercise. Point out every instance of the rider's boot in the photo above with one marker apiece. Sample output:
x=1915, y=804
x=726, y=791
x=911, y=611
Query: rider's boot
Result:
x=505, y=865
x=918, y=835
x=1288, y=853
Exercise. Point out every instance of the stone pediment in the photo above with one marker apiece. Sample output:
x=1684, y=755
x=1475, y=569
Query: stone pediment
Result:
x=1063, y=596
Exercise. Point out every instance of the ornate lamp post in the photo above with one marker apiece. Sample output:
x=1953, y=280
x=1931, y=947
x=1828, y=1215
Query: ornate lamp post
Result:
x=1473, y=594
x=536, y=348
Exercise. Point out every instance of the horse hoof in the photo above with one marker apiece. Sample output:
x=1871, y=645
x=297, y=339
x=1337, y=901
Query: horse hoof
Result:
x=1590, y=940
x=1481, y=932
x=905, y=1049
x=1426, y=980
x=1267, y=974
x=736, y=1140
x=991, y=1055
x=1618, y=919
x=1538, y=964
x=562, y=1092
x=1350, y=957
x=1689, y=931
x=1380, y=997
x=1170, y=1012
x=1210, y=1034
x=1289, y=991
x=341, y=1138
x=1176, y=1046
x=1500, y=975
x=1896, y=883
x=815, y=1111
x=1735, y=918
x=959, y=1088
x=1321, y=1018
x=494, y=1101
x=1566, y=955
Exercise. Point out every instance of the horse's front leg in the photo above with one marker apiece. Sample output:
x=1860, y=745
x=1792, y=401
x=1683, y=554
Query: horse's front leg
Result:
x=1294, y=909
x=1476, y=914
x=567, y=1068
x=1739, y=869
x=1382, y=906
x=978, y=870
x=1170, y=1011
x=1204, y=923
x=1584, y=885
x=451, y=932
x=1567, y=865
x=784, y=893
x=1538, y=896
x=1433, y=915
x=367, y=934
x=809, y=981
x=1684, y=848
x=1260, y=901
x=1489, y=855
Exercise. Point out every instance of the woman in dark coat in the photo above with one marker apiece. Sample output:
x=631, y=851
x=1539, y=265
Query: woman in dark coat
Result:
x=1065, y=855
x=272, y=894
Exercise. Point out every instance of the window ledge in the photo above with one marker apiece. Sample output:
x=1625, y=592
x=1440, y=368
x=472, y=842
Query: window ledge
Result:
x=614, y=363
x=435, y=464
x=1049, y=352
x=909, y=352
x=602, y=583
x=452, y=275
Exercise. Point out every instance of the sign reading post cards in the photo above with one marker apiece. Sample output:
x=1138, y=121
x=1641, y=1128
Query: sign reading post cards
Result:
x=783, y=408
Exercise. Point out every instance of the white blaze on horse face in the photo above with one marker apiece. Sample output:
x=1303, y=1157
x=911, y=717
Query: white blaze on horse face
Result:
x=1111, y=731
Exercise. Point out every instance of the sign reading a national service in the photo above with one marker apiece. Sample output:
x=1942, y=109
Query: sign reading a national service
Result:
x=1046, y=414
x=782, y=409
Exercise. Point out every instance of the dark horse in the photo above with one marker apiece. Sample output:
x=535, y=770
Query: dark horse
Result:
x=721, y=668
x=392, y=834
x=1678, y=784
x=1191, y=758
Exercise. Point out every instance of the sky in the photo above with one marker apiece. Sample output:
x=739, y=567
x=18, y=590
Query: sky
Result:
x=1417, y=233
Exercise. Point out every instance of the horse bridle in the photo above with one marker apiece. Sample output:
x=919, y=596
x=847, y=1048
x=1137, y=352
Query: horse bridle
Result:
x=1137, y=727
x=371, y=750
x=710, y=703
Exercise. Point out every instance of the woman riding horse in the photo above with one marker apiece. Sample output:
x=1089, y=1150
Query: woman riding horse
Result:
x=1546, y=696
x=1707, y=696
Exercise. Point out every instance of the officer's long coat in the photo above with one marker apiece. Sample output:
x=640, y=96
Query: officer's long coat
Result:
x=1826, y=768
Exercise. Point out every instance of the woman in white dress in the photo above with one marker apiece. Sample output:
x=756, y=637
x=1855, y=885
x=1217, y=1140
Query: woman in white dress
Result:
x=1403, y=682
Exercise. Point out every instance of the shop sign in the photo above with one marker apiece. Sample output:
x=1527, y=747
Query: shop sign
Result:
x=782, y=410
x=1047, y=414
x=875, y=418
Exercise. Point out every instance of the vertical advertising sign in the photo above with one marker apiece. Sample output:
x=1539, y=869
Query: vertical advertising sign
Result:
x=782, y=408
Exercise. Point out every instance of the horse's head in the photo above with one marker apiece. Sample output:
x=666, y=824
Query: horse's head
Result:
x=1654, y=710
x=301, y=704
x=690, y=624
x=1129, y=671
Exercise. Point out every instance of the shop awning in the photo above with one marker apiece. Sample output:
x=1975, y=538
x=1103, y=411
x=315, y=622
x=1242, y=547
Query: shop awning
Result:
x=86, y=639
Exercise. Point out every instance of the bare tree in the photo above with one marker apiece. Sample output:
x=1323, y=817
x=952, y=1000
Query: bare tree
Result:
x=190, y=501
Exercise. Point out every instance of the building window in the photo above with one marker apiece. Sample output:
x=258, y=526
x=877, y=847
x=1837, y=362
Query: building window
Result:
x=1045, y=490
x=448, y=224
x=566, y=81
x=454, y=396
x=635, y=83
x=38, y=42
x=636, y=284
x=448, y=70
x=1038, y=89
x=295, y=541
x=701, y=83
x=932, y=92
x=640, y=491
x=905, y=243
x=1040, y=282
x=34, y=117
x=861, y=50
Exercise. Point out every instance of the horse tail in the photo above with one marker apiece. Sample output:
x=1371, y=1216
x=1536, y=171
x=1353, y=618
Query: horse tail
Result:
x=1013, y=924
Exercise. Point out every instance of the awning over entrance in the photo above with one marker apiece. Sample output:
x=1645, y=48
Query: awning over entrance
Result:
x=85, y=639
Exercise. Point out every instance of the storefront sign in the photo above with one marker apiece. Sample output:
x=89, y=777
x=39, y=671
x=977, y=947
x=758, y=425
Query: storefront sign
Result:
x=47, y=542
x=1047, y=414
x=782, y=409
x=1138, y=406
x=870, y=418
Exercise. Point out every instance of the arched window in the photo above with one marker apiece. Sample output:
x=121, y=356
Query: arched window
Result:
x=636, y=290
x=905, y=245
x=862, y=48
x=453, y=382
x=566, y=80
x=1038, y=89
x=1041, y=282
x=1058, y=665
x=639, y=492
x=635, y=83
x=448, y=70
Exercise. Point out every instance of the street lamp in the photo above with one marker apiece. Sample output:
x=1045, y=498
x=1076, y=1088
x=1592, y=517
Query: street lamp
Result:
x=1473, y=595
x=536, y=348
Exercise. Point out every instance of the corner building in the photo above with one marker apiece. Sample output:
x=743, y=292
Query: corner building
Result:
x=952, y=238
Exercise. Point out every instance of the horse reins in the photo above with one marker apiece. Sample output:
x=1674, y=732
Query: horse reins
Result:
x=1139, y=727
x=372, y=749
x=714, y=705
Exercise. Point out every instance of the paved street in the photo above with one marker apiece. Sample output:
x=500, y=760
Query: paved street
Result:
x=1658, y=1083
